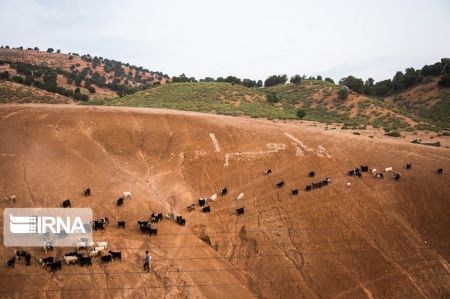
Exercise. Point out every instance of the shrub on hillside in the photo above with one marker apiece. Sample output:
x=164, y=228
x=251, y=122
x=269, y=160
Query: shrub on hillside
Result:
x=4, y=75
x=342, y=94
x=272, y=97
x=394, y=134
x=301, y=113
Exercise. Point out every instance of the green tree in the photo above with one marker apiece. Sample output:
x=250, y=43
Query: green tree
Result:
x=329, y=80
x=319, y=77
x=249, y=83
x=259, y=84
x=233, y=80
x=275, y=79
x=297, y=80
x=398, y=82
x=355, y=84
x=50, y=50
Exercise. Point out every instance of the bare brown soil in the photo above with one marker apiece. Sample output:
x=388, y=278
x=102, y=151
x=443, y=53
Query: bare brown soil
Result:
x=374, y=239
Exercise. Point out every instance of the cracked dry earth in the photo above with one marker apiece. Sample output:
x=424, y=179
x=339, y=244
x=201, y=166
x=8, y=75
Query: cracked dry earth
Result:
x=375, y=239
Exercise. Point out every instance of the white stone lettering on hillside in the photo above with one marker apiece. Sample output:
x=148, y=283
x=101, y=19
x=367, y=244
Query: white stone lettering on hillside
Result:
x=214, y=142
x=273, y=148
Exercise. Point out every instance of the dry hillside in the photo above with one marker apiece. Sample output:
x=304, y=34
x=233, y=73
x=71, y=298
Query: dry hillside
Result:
x=375, y=239
x=107, y=77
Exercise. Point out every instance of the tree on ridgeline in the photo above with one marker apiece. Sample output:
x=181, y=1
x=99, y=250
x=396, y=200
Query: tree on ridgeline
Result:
x=233, y=80
x=259, y=84
x=355, y=84
x=297, y=80
x=249, y=83
x=50, y=50
x=275, y=80
x=329, y=80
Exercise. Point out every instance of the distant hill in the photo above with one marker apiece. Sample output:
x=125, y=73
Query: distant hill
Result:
x=415, y=99
x=78, y=77
x=318, y=100
x=426, y=100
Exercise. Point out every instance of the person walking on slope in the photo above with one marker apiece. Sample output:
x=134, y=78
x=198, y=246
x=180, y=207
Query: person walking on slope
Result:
x=148, y=258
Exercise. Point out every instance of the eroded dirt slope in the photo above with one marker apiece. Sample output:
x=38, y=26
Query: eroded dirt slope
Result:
x=376, y=238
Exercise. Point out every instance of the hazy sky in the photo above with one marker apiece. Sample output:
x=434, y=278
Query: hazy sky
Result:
x=251, y=39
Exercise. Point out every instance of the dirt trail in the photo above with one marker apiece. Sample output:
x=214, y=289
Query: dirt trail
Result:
x=375, y=239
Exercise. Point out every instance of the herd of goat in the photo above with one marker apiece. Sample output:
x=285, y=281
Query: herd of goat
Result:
x=99, y=248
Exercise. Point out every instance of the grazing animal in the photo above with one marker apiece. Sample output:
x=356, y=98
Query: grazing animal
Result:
x=70, y=259
x=46, y=260
x=408, y=165
x=396, y=176
x=190, y=208
x=180, y=220
x=28, y=259
x=349, y=184
x=127, y=195
x=202, y=202
x=240, y=196
x=213, y=197
x=11, y=199
x=364, y=168
x=103, y=244
x=311, y=174
x=106, y=259
x=116, y=255
x=268, y=172
x=144, y=228
x=96, y=225
x=87, y=192
x=81, y=245
x=121, y=224
x=320, y=184
x=143, y=223
x=379, y=176
x=294, y=192
x=93, y=253
x=354, y=172
x=152, y=231
x=308, y=188
x=66, y=203
x=373, y=171
x=154, y=218
x=55, y=266
x=224, y=191
x=20, y=253
x=388, y=169
x=240, y=211
x=440, y=171
x=11, y=262
x=315, y=185
x=171, y=216
x=324, y=182
x=280, y=184
x=48, y=246
x=85, y=260
x=119, y=202
x=206, y=209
